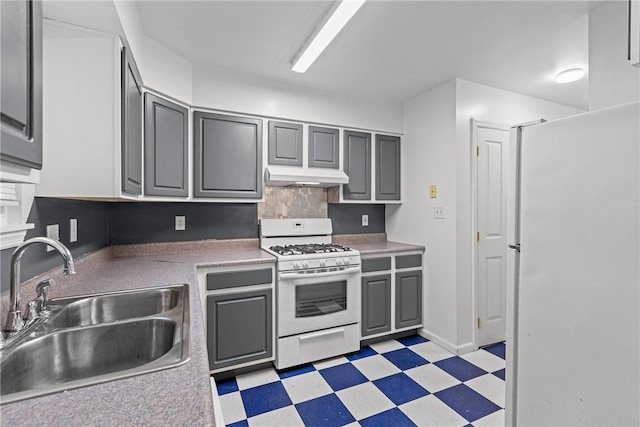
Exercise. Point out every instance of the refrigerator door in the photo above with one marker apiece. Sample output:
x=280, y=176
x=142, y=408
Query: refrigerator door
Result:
x=578, y=322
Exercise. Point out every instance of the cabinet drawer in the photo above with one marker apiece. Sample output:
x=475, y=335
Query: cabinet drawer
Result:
x=408, y=261
x=376, y=264
x=232, y=279
x=299, y=349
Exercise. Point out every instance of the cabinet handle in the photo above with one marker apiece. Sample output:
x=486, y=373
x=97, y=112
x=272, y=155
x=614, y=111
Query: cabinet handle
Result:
x=321, y=334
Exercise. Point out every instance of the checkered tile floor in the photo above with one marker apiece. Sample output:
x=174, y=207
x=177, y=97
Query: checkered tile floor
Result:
x=405, y=382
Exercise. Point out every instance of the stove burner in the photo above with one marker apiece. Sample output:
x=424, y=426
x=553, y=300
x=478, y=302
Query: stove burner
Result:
x=308, y=249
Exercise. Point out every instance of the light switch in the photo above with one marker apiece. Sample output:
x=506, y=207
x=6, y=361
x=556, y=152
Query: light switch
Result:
x=433, y=191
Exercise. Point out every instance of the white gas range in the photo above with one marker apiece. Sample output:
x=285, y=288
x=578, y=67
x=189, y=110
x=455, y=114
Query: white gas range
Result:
x=317, y=290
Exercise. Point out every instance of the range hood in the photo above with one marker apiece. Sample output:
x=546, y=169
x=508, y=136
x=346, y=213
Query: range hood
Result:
x=285, y=176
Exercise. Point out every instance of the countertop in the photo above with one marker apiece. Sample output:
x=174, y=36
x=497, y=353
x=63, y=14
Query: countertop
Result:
x=173, y=397
x=375, y=243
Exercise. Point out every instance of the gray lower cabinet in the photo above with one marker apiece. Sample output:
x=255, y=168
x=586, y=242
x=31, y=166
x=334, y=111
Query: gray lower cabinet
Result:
x=408, y=298
x=165, y=147
x=285, y=143
x=21, y=82
x=239, y=328
x=357, y=165
x=387, y=167
x=324, y=146
x=227, y=156
x=131, y=125
x=376, y=304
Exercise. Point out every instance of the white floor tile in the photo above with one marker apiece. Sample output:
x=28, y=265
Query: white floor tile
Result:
x=232, y=407
x=253, y=379
x=485, y=360
x=491, y=387
x=364, y=400
x=306, y=387
x=492, y=420
x=328, y=363
x=375, y=367
x=386, y=346
x=431, y=411
x=432, y=378
x=283, y=417
x=430, y=351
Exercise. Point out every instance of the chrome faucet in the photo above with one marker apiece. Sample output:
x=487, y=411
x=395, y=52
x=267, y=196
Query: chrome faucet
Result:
x=15, y=321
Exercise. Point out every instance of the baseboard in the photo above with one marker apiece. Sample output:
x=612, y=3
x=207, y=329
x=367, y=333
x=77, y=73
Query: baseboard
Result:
x=466, y=348
x=438, y=340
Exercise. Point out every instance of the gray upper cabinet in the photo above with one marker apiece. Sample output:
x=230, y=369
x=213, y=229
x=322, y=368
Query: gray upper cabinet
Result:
x=131, y=125
x=357, y=165
x=285, y=143
x=21, y=85
x=387, y=167
x=165, y=147
x=227, y=156
x=324, y=146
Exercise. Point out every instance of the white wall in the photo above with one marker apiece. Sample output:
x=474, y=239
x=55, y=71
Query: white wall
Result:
x=612, y=80
x=224, y=90
x=437, y=150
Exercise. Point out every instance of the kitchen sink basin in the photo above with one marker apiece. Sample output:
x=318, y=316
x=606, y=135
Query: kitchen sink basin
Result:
x=97, y=338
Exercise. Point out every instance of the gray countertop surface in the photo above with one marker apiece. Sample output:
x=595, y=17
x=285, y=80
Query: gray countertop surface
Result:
x=375, y=243
x=173, y=397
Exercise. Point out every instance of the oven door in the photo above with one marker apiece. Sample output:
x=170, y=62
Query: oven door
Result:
x=312, y=301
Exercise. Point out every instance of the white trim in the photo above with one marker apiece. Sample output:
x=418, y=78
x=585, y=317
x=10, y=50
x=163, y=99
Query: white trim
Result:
x=475, y=125
x=436, y=339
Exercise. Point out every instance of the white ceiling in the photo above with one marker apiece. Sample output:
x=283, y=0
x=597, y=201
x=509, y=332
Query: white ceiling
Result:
x=391, y=50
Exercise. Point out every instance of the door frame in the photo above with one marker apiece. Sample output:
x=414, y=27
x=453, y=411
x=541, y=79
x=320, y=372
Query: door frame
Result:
x=476, y=124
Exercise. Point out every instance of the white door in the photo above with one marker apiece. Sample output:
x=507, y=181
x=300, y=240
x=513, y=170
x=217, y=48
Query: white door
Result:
x=492, y=167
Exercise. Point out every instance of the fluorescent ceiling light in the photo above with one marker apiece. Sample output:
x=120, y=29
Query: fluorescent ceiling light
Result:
x=334, y=21
x=569, y=76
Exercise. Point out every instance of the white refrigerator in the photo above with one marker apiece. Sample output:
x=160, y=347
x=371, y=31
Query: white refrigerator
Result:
x=573, y=330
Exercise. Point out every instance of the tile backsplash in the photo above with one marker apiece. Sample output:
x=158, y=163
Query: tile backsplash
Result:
x=293, y=202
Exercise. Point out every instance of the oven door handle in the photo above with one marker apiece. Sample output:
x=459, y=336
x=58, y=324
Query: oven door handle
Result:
x=313, y=335
x=300, y=275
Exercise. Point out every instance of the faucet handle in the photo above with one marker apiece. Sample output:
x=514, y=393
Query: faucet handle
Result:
x=42, y=290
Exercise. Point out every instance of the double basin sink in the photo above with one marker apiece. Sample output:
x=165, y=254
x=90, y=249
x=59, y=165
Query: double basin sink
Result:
x=93, y=339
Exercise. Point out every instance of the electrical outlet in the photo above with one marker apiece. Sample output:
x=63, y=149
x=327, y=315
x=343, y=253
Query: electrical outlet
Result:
x=438, y=212
x=53, y=232
x=180, y=222
x=73, y=230
x=365, y=220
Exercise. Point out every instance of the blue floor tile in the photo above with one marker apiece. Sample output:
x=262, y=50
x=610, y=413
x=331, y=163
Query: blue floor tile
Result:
x=226, y=386
x=405, y=359
x=242, y=423
x=393, y=417
x=467, y=402
x=460, y=368
x=497, y=349
x=324, y=411
x=412, y=340
x=343, y=376
x=500, y=374
x=264, y=398
x=399, y=388
x=362, y=353
x=288, y=373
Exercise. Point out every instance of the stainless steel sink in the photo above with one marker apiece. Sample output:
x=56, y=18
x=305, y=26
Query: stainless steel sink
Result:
x=97, y=338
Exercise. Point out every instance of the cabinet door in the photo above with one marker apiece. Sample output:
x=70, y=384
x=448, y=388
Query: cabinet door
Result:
x=21, y=82
x=239, y=328
x=131, y=125
x=357, y=164
x=408, y=298
x=228, y=156
x=165, y=147
x=376, y=304
x=324, y=149
x=387, y=167
x=285, y=143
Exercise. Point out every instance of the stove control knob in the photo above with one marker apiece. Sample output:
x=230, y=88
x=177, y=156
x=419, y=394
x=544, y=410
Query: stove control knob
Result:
x=305, y=264
x=296, y=265
x=323, y=262
x=338, y=261
x=346, y=261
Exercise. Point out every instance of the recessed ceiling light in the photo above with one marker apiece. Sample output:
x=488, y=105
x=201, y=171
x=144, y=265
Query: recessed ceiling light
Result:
x=334, y=21
x=568, y=76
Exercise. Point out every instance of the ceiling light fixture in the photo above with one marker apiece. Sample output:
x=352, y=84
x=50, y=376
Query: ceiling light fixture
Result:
x=331, y=25
x=568, y=76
